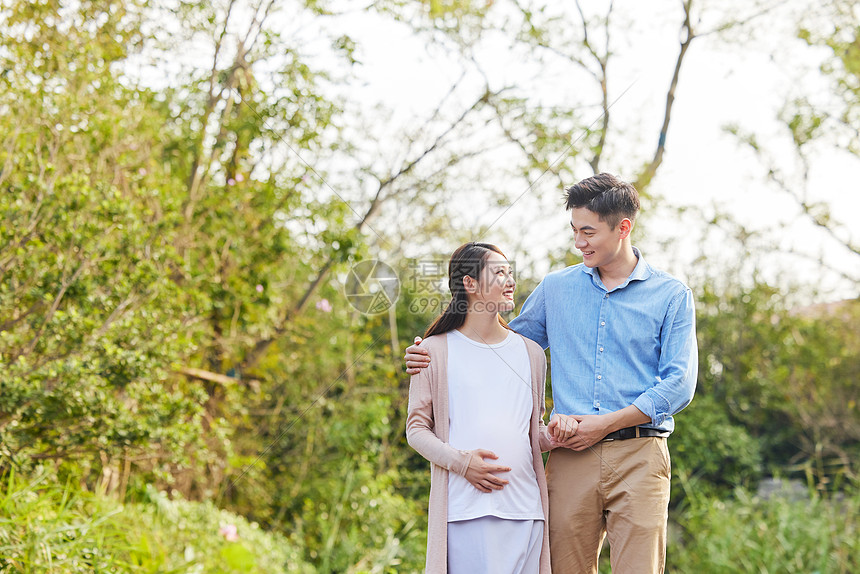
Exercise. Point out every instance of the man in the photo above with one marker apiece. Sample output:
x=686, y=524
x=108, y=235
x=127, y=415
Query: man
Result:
x=624, y=360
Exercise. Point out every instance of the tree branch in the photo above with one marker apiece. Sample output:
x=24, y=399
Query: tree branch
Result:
x=604, y=90
x=818, y=218
x=212, y=377
x=644, y=178
x=260, y=347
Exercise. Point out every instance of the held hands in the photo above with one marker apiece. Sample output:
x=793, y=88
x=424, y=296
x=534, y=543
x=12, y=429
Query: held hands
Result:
x=416, y=358
x=480, y=473
x=589, y=430
x=562, y=430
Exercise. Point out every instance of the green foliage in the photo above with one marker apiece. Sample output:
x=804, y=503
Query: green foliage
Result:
x=176, y=534
x=842, y=39
x=52, y=529
x=331, y=472
x=161, y=257
x=91, y=321
x=745, y=533
x=92, y=327
x=711, y=453
x=787, y=378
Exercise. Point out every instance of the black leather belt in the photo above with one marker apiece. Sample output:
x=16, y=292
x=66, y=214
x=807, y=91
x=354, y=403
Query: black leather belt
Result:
x=635, y=432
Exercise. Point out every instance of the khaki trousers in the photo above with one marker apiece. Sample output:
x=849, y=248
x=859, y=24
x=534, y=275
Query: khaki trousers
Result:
x=618, y=489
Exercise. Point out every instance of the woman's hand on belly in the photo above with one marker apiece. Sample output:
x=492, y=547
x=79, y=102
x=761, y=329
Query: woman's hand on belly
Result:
x=482, y=474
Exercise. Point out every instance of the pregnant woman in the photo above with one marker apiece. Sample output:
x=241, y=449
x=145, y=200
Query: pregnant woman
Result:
x=476, y=413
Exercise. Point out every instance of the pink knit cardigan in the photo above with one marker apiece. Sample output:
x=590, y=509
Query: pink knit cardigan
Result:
x=428, y=403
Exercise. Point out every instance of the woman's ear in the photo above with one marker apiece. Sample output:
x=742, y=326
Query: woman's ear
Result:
x=470, y=284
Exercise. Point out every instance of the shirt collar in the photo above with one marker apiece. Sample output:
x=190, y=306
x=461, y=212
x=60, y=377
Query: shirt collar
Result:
x=641, y=272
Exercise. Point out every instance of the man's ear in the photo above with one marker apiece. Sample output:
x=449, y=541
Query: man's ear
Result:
x=624, y=228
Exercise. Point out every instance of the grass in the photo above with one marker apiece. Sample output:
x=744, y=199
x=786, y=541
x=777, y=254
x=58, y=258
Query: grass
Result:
x=748, y=534
x=50, y=528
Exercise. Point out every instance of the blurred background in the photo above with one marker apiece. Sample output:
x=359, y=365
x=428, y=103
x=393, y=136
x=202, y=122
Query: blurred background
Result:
x=224, y=221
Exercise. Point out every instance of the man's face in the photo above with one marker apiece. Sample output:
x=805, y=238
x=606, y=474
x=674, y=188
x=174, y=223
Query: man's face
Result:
x=599, y=244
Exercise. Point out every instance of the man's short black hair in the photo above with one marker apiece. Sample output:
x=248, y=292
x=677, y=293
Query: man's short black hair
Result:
x=609, y=197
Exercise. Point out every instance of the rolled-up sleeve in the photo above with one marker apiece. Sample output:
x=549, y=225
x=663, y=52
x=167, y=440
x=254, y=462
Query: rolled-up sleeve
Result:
x=678, y=365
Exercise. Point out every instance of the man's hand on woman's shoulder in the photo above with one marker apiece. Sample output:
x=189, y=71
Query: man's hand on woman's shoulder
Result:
x=416, y=358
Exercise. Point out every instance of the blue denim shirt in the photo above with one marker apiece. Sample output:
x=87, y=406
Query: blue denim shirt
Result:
x=635, y=344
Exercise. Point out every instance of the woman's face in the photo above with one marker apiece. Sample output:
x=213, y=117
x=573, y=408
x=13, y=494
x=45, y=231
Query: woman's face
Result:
x=495, y=287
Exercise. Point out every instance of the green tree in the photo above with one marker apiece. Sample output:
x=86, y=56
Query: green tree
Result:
x=776, y=373
x=90, y=321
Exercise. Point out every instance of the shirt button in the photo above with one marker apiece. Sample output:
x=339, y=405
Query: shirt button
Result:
x=607, y=296
x=597, y=404
x=599, y=377
x=601, y=349
x=602, y=323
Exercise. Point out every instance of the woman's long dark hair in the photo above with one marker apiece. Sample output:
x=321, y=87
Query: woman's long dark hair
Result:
x=467, y=260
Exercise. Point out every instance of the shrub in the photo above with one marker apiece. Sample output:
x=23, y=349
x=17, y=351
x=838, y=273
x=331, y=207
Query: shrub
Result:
x=777, y=535
x=48, y=528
